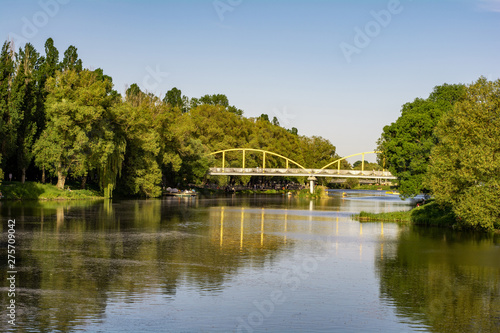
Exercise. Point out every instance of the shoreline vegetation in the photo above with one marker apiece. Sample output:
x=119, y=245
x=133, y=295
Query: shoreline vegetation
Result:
x=39, y=191
x=430, y=214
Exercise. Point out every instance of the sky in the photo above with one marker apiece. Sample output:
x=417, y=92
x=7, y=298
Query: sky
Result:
x=338, y=69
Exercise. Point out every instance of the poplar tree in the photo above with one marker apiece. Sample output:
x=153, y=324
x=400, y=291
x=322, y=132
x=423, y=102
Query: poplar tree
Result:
x=24, y=104
x=8, y=120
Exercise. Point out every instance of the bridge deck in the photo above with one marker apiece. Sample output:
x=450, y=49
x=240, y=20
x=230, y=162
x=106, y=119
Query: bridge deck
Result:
x=271, y=172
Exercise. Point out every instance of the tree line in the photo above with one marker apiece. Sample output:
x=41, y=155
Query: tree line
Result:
x=59, y=119
x=448, y=146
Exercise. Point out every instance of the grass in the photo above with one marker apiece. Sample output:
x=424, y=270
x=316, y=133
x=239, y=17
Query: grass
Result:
x=430, y=214
x=401, y=217
x=37, y=191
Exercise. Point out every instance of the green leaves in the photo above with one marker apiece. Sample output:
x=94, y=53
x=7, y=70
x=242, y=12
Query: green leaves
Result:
x=465, y=164
x=79, y=132
x=407, y=143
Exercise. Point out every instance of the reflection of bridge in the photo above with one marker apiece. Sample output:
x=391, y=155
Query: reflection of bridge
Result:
x=239, y=228
x=297, y=171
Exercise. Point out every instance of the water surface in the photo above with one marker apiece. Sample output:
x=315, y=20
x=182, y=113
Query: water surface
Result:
x=244, y=264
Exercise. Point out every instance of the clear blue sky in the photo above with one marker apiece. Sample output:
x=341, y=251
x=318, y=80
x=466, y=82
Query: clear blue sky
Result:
x=339, y=69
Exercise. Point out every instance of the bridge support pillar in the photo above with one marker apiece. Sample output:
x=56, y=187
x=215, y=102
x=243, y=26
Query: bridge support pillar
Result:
x=311, y=180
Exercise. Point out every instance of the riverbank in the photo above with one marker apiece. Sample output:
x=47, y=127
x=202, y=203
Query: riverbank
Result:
x=430, y=214
x=38, y=191
x=400, y=217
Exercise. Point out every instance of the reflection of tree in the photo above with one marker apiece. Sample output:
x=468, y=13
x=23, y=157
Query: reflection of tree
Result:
x=77, y=257
x=446, y=280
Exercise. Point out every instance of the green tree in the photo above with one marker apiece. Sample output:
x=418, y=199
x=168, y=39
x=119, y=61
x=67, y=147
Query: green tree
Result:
x=367, y=166
x=465, y=165
x=183, y=156
x=317, y=151
x=48, y=67
x=139, y=117
x=71, y=60
x=264, y=117
x=407, y=143
x=276, y=121
x=216, y=99
x=173, y=97
x=8, y=121
x=24, y=104
x=76, y=108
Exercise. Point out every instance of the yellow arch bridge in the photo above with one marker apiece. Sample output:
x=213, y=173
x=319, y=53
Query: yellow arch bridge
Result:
x=292, y=168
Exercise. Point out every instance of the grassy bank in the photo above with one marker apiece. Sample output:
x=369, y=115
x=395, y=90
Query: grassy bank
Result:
x=37, y=191
x=430, y=214
x=401, y=217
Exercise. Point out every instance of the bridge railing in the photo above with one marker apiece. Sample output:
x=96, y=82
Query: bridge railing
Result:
x=302, y=172
x=298, y=171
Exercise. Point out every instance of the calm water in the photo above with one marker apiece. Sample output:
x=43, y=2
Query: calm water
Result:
x=243, y=264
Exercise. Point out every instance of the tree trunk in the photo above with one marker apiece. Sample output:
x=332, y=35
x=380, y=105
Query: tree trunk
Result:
x=43, y=175
x=23, y=176
x=84, y=182
x=61, y=179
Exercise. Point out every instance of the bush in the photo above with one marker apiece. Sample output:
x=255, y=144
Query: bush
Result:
x=432, y=214
x=37, y=191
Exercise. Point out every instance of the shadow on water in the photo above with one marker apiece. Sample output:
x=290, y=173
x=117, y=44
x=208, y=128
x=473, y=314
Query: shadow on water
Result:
x=448, y=280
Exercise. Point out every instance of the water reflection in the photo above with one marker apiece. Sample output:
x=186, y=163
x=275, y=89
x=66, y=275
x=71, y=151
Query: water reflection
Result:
x=81, y=262
x=449, y=281
x=73, y=257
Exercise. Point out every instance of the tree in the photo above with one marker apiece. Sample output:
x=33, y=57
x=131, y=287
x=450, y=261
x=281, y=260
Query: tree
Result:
x=276, y=121
x=51, y=58
x=48, y=67
x=139, y=118
x=70, y=60
x=76, y=108
x=8, y=121
x=24, y=104
x=264, y=117
x=407, y=143
x=367, y=165
x=173, y=97
x=217, y=99
x=465, y=167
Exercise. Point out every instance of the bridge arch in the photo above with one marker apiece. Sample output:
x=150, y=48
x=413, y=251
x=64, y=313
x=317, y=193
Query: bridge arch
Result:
x=264, y=153
x=346, y=157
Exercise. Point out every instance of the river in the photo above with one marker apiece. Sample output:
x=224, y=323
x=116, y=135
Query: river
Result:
x=242, y=264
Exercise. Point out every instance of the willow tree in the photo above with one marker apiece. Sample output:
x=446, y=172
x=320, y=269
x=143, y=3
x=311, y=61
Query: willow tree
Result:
x=465, y=165
x=138, y=118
